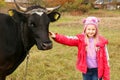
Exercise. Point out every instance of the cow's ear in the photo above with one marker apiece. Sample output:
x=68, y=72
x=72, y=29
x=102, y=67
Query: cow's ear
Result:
x=54, y=16
x=17, y=16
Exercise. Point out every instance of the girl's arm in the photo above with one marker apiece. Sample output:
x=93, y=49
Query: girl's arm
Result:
x=66, y=40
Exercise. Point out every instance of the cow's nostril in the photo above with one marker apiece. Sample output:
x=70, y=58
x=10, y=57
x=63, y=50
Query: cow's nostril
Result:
x=46, y=46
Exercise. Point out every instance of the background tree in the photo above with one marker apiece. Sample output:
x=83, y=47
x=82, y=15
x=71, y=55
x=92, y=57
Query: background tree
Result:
x=67, y=5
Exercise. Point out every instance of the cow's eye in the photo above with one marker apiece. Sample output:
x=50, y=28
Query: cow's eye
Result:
x=32, y=25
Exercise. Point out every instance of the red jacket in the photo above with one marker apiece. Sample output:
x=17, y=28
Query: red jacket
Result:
x=81, y=65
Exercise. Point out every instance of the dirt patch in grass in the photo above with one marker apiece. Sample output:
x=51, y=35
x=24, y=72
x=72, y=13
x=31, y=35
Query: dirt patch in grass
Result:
x=97, y=12
x=76, y=21
x=104, y=13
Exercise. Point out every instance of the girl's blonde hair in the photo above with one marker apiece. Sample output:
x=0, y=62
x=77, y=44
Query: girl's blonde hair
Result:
x=94, y=21
x=96, y=39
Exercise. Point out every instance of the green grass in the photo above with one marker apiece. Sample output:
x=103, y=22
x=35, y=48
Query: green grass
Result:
x=59, y=62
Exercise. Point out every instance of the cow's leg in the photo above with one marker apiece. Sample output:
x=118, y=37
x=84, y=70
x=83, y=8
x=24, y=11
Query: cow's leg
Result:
x=2, y=77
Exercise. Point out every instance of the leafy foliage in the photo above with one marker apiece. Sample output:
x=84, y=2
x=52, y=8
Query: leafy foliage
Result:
x=71, y=5
x=37, y=2
x=67, y=5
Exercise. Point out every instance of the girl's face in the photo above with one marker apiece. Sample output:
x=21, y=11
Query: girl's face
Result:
x=90, y=31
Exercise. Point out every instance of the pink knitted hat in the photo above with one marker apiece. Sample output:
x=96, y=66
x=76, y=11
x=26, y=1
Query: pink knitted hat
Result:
x=91, y=20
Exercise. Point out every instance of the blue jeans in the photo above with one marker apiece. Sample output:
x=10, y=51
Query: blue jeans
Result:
x=92, y=74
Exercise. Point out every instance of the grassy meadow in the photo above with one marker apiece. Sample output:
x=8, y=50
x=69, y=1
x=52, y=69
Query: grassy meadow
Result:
x=59, y=62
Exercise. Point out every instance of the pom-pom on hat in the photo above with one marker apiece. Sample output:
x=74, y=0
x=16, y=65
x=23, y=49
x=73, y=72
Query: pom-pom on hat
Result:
x=91, y=20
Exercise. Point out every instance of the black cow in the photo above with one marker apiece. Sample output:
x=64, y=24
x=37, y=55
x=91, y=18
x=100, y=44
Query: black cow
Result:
x=19, y=31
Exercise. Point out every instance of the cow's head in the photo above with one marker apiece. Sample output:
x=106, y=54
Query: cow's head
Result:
x=38, y=20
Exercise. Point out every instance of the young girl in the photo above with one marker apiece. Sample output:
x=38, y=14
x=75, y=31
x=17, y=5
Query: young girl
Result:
x=92, y=58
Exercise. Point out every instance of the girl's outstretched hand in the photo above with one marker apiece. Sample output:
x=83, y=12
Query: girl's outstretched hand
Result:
x=52, y=35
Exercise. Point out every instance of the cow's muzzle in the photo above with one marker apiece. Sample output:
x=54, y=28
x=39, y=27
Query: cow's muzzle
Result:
x=46, y=46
